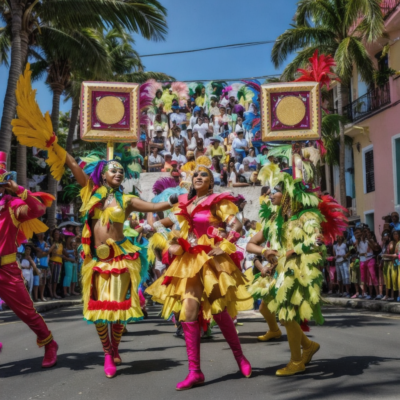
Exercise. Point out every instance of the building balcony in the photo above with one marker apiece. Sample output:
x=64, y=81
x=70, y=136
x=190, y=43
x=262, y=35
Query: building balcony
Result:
x=388, y=7
x=368, y=103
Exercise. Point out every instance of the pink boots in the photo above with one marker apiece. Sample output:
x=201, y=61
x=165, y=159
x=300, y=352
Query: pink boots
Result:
x=109, y=366
x=228, y=329
x=192, y=339
x=50, y=354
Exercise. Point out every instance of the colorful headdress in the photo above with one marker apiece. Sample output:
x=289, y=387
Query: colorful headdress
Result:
x=4, y=174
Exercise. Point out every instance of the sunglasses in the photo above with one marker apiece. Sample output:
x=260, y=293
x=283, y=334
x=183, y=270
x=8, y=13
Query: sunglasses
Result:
x=202, y=174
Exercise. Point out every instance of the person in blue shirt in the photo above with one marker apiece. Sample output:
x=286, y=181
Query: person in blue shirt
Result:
x=395, y=224
x=43, y=250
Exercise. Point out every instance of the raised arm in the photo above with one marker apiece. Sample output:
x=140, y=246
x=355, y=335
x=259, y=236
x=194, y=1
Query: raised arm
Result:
x=77, y=171
x=137, y=204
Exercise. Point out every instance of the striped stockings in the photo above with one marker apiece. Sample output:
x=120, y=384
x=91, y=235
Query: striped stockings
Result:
x=117, y=330
x=102, y=330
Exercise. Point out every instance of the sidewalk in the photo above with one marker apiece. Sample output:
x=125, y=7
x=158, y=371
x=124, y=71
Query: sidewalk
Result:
x=370, y=305
x=49, y=305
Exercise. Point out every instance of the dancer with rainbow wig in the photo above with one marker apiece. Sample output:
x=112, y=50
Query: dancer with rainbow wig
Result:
x=113, y=266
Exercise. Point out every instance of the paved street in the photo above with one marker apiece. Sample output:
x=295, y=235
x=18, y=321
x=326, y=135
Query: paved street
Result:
x=359, y=359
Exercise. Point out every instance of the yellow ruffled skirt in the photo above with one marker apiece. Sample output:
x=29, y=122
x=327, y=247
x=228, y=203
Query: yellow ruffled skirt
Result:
x=222, y=281
x=110, y=284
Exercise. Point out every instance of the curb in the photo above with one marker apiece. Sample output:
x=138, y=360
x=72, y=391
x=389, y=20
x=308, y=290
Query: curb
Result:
x=370, y=305
x=50, y=305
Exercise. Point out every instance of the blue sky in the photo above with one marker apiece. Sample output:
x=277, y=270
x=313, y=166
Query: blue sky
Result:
x=205, y=24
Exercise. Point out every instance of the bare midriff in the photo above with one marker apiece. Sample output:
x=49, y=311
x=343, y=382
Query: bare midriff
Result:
x=101, y=232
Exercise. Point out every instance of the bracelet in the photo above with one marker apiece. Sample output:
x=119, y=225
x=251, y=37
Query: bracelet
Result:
x=262, y=251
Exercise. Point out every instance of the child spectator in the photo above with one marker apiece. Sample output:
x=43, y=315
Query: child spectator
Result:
x=69, y=262
x=28, y=267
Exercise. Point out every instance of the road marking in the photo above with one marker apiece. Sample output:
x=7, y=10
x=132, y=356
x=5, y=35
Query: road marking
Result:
x=8, y=323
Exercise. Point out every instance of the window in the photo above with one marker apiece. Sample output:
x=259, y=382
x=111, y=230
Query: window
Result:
x=368, y=167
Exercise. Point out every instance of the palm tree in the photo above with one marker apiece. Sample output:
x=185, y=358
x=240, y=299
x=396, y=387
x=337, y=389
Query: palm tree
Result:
x=337, y=27
x=26, y=20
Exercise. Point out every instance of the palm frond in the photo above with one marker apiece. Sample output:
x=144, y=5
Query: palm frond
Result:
x=297, y=38
x=352, y=51
x=368, y=10
x=5, y=45
x=141, y=77
x=146, y=17
x=320, y=12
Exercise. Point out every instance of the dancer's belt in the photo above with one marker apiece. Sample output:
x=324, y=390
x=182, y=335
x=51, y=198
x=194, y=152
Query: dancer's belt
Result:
x=8, y=259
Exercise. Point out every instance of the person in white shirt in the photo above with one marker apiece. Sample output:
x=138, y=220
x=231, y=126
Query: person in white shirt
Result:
x=201, y=127
x=178, y=157
x=179, y=118
x=241, y=144
x=193, y=118
x=193, y=142
x=156, y=162
x=341, y=253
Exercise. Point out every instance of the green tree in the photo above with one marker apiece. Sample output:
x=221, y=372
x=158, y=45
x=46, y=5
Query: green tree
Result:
x=26, y=20
x=341, y=28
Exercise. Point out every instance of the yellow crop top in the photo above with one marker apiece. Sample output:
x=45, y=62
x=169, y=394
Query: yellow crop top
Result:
x=113, y=214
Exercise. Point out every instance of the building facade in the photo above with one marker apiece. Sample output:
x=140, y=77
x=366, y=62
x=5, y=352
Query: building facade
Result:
x=374, y=115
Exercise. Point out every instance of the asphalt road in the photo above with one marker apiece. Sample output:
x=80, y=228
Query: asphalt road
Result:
x=359, y=359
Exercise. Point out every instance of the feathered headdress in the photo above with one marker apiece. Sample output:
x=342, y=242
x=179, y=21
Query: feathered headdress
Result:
x=147, y=92
x=319, y=70
x=164, y=183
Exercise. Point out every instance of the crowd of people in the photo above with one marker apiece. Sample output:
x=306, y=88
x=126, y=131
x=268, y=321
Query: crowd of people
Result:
x=360, y=266
x=51, y=263
x=224, y=131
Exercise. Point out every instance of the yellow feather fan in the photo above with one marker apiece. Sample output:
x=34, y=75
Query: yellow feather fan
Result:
x=35, y=130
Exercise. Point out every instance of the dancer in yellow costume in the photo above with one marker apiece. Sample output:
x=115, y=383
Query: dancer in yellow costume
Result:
x=203, y=277
x=112, y=267
x=291, y=287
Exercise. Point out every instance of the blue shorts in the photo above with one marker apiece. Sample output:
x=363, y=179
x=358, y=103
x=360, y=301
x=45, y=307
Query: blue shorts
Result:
x=36, y=280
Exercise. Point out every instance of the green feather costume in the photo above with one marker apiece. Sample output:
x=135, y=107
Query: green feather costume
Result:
x=293, y=293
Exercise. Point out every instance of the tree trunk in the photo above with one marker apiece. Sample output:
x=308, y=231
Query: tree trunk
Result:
x=10, y=101
x=55, y=112
x=21, y=150
x=342, y=172
x=72, y=124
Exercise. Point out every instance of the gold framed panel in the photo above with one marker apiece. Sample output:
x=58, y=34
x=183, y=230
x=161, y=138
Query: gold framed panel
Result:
x=127, y=92
x=306, y=118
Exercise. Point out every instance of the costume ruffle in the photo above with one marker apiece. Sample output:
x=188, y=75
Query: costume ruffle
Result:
x=110, y=287
x=224, y=284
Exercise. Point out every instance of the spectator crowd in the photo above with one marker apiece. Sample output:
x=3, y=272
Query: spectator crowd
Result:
x=360, y=266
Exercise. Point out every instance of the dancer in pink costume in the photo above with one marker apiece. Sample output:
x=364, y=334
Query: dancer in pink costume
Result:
x=19, y=210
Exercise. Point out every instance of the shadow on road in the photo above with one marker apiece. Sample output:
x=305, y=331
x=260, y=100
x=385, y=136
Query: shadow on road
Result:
x=335, y=367
x=148, y=366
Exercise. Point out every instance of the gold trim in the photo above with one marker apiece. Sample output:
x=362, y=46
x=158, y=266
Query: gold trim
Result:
x=8, y=259
x=315, y=111
x=23, y=195
x=98, y=135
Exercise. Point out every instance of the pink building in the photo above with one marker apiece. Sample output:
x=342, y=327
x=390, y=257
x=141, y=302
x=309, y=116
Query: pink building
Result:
x=374, y=181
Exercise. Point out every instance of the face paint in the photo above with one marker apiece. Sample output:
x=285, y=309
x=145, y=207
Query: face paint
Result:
x=112, y=165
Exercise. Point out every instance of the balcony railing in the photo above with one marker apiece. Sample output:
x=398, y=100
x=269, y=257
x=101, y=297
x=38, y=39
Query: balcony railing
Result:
x=367, y=104
x=388, y=6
